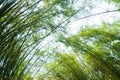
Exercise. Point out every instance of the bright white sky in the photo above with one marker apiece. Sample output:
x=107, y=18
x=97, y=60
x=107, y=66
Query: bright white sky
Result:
x=100, y=6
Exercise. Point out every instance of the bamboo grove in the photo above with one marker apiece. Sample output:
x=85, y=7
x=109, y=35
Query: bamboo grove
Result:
x=32, y=33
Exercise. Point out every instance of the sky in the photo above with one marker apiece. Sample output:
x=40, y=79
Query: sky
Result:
x=100, y=6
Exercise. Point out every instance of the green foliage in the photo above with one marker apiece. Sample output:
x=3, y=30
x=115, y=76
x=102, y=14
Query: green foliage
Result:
x=117, y=2
x=99, y=49
x=23, y=27
x=68, y=67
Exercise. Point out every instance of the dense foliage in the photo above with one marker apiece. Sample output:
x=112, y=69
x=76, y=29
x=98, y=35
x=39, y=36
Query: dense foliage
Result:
x=26, y=27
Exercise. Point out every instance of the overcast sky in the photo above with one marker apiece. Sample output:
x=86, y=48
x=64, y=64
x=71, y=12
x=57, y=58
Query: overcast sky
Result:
x=99, y=7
